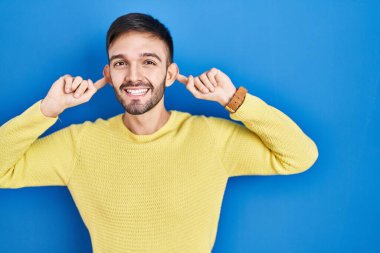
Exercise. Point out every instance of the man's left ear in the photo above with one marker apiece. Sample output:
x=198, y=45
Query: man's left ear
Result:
x=171, y=74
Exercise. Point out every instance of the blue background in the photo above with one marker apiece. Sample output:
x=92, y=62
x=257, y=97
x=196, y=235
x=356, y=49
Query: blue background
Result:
x=317, y=61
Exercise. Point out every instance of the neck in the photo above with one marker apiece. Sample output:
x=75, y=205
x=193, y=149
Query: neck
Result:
x=148, y=122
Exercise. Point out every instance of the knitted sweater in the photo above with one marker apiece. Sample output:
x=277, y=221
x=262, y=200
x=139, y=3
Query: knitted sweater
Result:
x=160, y=192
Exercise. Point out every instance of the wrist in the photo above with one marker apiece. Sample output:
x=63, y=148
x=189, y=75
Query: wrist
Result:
x=227, y=98
x=50, y=110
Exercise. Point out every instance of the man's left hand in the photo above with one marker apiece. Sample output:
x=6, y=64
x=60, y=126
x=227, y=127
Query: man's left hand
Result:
x=212, y=85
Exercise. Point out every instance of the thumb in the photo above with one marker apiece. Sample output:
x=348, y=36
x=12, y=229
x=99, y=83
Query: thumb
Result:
x=100, y=83
x=182, y=78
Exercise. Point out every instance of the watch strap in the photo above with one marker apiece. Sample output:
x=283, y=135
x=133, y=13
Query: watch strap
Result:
x=237, y=99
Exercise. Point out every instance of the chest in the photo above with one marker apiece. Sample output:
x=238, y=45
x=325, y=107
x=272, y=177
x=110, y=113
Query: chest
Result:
x=159, y=180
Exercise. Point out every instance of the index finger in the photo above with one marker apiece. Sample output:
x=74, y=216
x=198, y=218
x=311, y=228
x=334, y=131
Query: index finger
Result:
x=182, y=78
x=100, y=83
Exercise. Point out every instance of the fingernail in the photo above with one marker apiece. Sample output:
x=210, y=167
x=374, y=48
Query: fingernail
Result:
x=76, y=95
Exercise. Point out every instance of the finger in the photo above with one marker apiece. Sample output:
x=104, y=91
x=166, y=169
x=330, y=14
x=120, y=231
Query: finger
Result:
x=91, y=90
x=207, y=82
x=67, y=80
x=100, y=83
x=81, y=89
x=191, y=87
x=201, y=87
x=211, y=76
x=77, y=81
x=182, y=79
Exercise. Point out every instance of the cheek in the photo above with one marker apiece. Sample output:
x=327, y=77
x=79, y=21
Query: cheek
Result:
x=155, y=76
x=117, y=77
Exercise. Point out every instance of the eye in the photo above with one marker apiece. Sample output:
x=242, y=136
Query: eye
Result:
x=149, y=62
x=117, y=63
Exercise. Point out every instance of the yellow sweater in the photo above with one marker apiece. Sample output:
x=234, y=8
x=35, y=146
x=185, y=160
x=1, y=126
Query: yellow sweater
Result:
x=152, y=193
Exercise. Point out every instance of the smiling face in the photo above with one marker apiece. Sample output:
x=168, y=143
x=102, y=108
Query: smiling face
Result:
x=139, y=71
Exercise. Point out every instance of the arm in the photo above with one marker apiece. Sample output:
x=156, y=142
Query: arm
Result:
x=26, y=160
x=268, y=143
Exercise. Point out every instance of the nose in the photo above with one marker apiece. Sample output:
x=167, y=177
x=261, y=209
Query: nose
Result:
x=133, y=74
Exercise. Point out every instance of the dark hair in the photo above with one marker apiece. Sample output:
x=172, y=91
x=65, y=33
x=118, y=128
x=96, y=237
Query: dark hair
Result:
x=141, y=23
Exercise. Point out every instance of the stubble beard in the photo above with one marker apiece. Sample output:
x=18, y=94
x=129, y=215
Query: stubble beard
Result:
x=136, y=107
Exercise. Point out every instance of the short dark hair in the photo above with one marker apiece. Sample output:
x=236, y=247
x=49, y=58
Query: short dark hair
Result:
x=140, y=22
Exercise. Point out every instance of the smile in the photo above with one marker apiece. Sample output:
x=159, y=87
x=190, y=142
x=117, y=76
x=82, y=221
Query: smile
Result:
x=136, y=92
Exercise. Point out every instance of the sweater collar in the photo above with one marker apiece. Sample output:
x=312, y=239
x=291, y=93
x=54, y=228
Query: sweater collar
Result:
x=118, y=125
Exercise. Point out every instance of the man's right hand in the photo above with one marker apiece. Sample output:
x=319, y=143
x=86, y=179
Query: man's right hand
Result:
x=68, y=92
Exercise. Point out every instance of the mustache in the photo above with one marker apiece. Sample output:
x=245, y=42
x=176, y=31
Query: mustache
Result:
x=136, y=84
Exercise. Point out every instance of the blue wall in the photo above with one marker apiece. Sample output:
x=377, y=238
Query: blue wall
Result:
x=317, y=61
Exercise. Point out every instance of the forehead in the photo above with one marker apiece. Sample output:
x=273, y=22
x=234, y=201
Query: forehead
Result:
x=134, y=43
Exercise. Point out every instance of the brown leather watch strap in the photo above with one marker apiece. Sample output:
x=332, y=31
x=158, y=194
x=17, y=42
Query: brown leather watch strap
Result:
x=237, y=99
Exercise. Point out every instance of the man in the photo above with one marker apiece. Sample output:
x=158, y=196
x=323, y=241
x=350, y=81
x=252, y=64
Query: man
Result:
x=149, y=180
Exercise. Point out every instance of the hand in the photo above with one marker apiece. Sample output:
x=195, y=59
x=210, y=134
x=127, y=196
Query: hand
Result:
x=68, y=92
x=212, y=85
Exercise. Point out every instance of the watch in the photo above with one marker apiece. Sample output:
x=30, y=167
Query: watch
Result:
x=237, y=99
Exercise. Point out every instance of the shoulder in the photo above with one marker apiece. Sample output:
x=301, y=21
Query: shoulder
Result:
x=207, y=121
x=101, y=123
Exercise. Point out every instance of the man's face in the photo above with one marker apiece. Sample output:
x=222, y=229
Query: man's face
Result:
x=138, y=68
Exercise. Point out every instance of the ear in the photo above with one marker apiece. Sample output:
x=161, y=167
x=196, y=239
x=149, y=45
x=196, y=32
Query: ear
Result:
x=171, y=74
x=107, y=74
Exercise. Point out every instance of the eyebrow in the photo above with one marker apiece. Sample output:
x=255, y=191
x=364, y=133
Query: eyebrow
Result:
x=141, y=55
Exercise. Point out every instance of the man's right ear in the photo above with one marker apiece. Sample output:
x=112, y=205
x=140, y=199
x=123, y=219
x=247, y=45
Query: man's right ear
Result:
x=107, y=74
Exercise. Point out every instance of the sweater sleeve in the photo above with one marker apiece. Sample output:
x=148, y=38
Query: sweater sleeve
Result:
x=268, y=142
x=26, y=160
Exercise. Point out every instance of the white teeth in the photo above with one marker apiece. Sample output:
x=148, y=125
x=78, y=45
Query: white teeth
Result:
x=137, y=92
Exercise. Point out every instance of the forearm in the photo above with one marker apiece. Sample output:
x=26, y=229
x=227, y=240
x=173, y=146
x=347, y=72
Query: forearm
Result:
x=17, y=134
